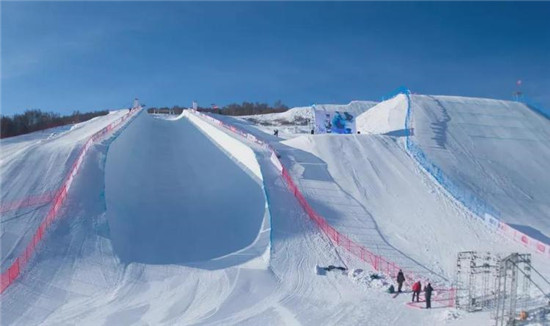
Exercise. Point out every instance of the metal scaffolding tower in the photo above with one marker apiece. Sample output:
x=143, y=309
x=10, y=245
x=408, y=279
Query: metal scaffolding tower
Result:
x=515, y=304
x=510, y=287
x=476, y=272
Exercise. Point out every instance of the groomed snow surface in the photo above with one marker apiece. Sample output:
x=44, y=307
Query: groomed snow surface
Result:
x=34, y=165
x=497, y=150
x=166, y=225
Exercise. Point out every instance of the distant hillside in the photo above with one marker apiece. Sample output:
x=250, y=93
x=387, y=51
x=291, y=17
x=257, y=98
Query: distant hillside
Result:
x=35, y=120
x=303, y=116
x=234, y=109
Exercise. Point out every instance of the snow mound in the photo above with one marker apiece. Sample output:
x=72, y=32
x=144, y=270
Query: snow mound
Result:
x=368, y=279
x=385, y=117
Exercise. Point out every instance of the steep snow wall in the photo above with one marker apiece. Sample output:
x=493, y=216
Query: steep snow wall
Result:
x=235, y=148
x=174, y=198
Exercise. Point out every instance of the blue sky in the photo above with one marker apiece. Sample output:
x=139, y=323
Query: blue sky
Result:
x=65, y=56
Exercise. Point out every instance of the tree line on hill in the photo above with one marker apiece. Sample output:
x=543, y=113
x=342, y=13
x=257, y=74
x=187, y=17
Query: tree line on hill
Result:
x=35, y=120
x=235, y=109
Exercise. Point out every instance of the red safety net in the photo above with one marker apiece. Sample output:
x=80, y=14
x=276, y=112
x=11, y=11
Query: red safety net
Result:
x=18, y=265
x=377, y=262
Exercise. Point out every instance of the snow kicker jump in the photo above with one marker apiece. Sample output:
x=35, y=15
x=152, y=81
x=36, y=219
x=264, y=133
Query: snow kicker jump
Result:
x=174, y=197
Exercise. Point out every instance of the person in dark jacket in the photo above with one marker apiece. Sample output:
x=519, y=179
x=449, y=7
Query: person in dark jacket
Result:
x=400, y=280
x=417, y=287
x=428, y=293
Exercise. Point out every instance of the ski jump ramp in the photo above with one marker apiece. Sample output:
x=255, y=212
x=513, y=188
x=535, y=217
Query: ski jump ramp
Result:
x=495, y=153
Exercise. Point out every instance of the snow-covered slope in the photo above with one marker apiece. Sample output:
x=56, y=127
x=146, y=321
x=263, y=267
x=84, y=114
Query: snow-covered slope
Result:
x=77, y=277
x=158, y=223
x=32, y=165
x=491, y=155
x=496, y=151
x=162, y=203
x=411, y=211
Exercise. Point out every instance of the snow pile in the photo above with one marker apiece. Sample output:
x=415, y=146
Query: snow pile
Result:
x=451, y=314
x=385, y=117
x=368, y=279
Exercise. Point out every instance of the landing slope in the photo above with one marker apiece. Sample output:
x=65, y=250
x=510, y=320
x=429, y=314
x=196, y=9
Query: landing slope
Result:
x=497, y=151
x=410, y=212
x=174, y=197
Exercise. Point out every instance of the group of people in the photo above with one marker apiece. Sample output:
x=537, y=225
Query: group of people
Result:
x=416, y=288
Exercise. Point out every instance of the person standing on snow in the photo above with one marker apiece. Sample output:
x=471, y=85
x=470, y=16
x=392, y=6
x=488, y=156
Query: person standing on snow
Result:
x=400, y=280
x=417, y=287
x=428, y=293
